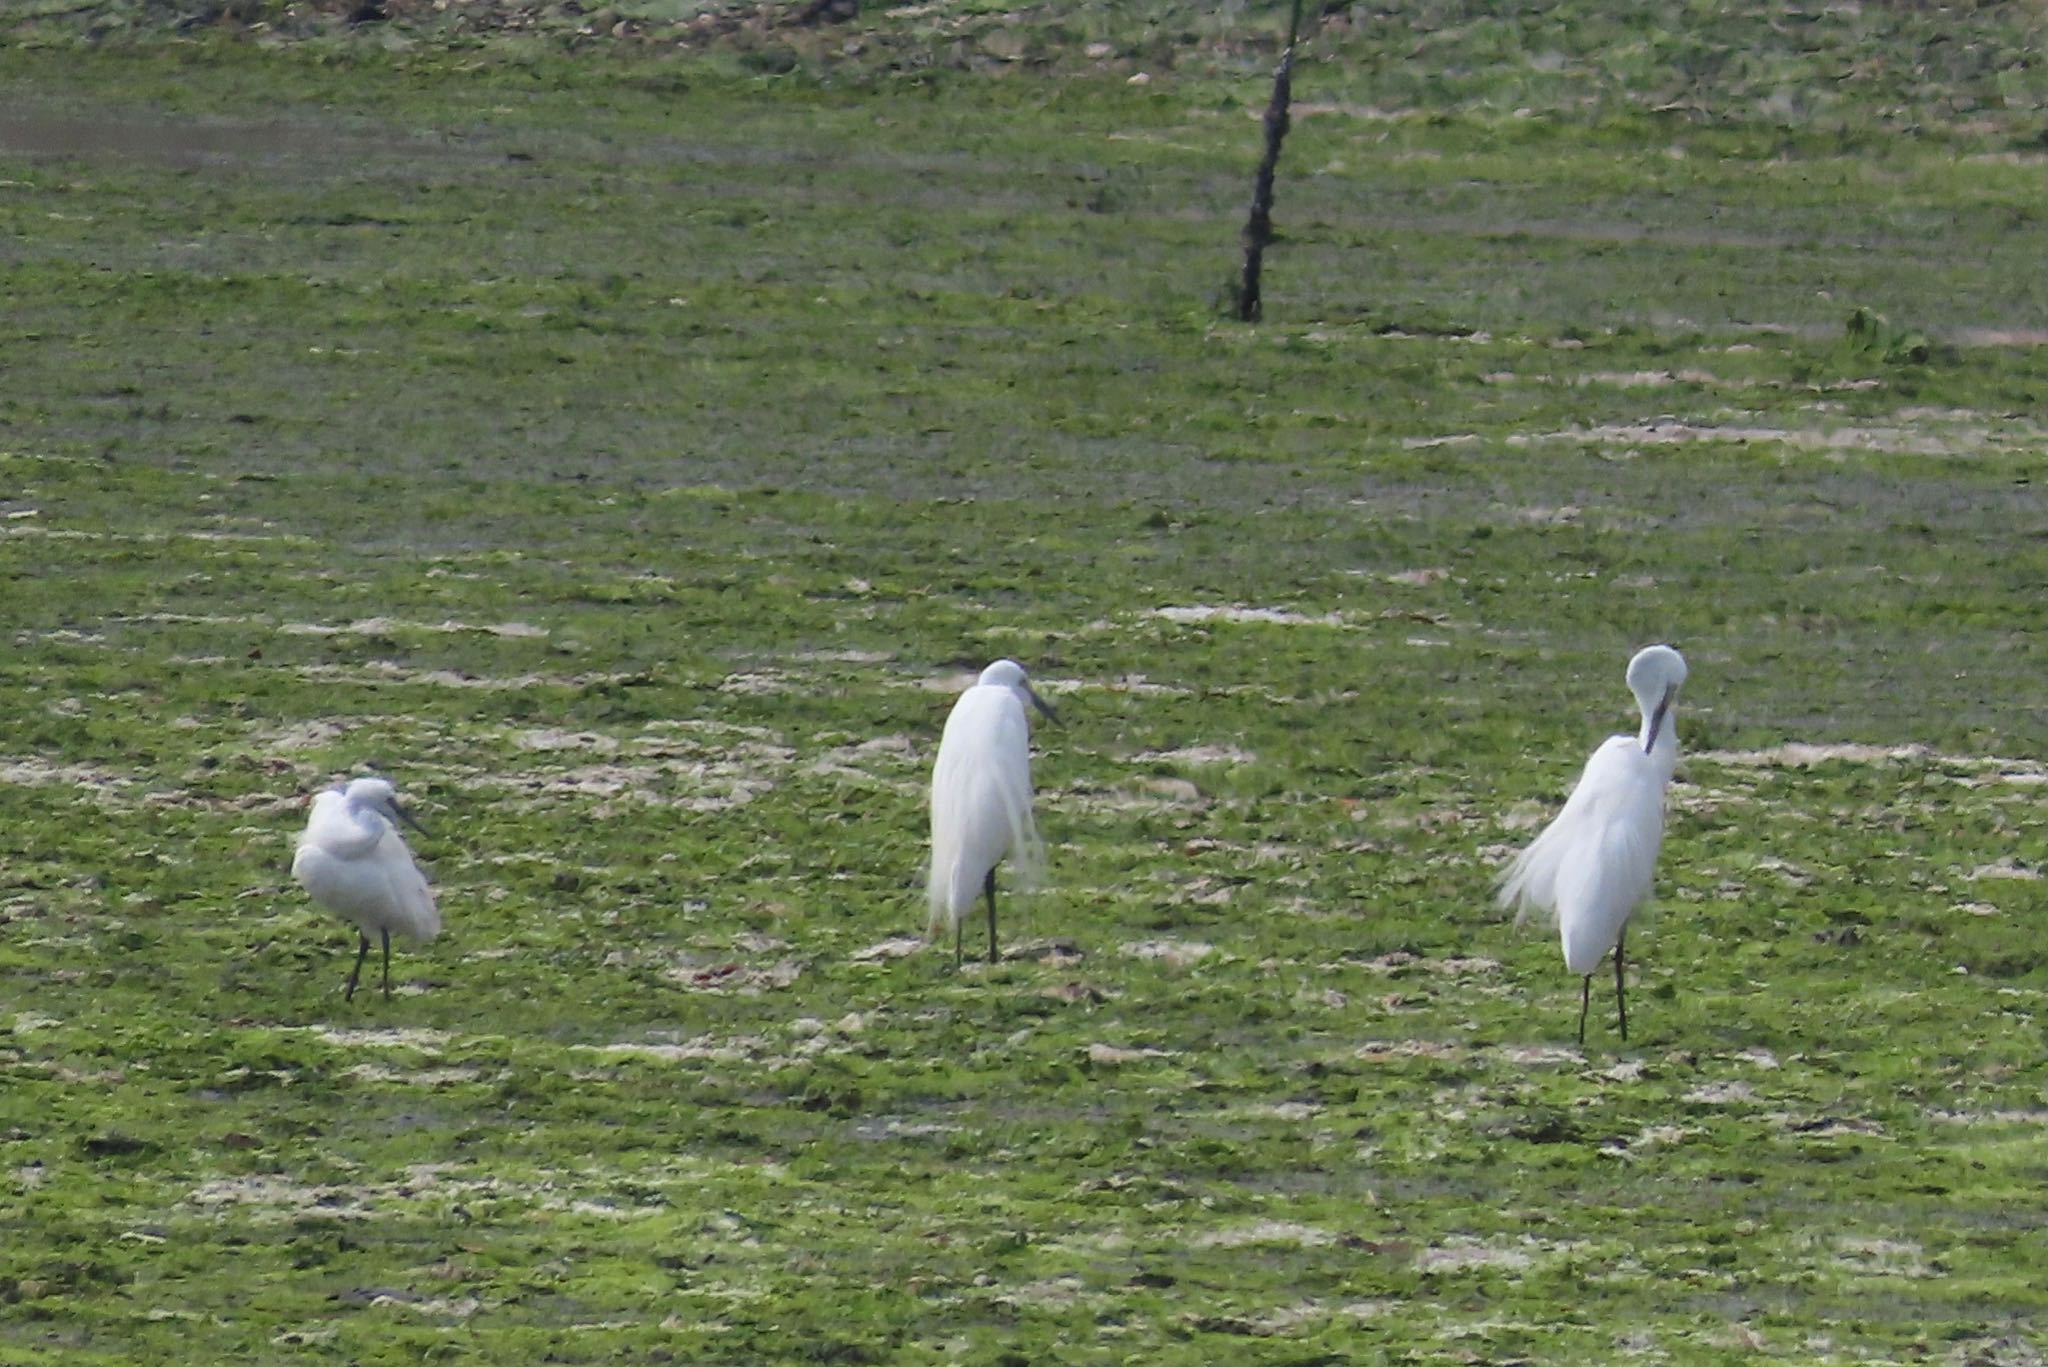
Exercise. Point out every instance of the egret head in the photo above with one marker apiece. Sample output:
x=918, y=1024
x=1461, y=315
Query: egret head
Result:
x=1654, y=676
x=379, y=796
x=1009, y=674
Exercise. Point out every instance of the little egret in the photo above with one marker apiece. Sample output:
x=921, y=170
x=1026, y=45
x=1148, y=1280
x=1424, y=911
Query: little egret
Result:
x=1593, y=865
x=354, y=862
x=981, y=798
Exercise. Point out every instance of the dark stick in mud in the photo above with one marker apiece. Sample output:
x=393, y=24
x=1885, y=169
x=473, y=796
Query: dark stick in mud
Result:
x=1258, y=228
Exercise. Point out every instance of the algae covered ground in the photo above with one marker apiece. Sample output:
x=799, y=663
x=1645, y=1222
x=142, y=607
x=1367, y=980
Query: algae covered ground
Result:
x=630, y=448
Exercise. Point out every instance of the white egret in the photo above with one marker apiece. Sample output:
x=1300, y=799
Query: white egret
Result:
x=981, y=799
x=1593, y=865
x=354, y=862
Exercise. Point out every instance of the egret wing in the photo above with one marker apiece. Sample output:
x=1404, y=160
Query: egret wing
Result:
x=408, y=900
x=1530, y=883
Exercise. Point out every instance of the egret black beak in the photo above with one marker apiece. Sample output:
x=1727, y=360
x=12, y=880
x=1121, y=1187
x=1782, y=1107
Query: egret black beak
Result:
x=398, y=810
x=1657, y=719
x=1040, y=703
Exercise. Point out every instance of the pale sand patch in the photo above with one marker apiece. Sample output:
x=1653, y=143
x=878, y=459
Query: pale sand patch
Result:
x=403, y=1037
x=1267, y=1232
x=895, y=947
x=1655, y=379
x=199, y=619
x=1671, y=432
x=1368, y=113
x=1461, y=1255
x=1053, y=1293
x=392, y=626
x=2008, y=1117
x=1826, y=1126
x=306, y=735
x=705, y=786
x=1721, y=1093
x=895, y=1127
x=277, y=1198
x=445, y=1307
x=1989, y=769
x=1197, y=754
x=2000, y=337
x=1293, y=1112
x=36, y=772
x=550, y=739
x=758, y=683
x=740, y=979
x=1374, y=1051
x=1398, y=960
x=1799, y=755
x=1285, y=1319
x=1133, y=683
x=710, y=1048
x=232, y=538
x=862, y=759
x=1659, y=1137
x=953, y=682
x=1882, y=1257
x=1469, y=338
x=602, y=1210
x=1534, y=1054
x=1175, y=953
x=424, y=1077
x=1111, y=1054
x=2004, y=868
x=374, y=673
x=1240, y=613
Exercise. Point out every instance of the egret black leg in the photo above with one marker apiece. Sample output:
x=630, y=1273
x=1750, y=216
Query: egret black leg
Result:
x=1585, y=1000
x=387, y=962
x=1620, y=991
x=958, y=930
x=348, y=994
x=988, y=885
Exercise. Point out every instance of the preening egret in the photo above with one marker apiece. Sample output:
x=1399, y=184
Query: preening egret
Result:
x=1593, y=865
x=354, y=862
x=981, y=799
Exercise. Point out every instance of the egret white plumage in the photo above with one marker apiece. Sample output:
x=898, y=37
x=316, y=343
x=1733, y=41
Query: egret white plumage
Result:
x=981, y=799
x=1594, y=864
x=355, y=863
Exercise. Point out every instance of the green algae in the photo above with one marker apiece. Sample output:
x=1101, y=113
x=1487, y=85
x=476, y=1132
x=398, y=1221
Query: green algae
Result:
x=632, y=468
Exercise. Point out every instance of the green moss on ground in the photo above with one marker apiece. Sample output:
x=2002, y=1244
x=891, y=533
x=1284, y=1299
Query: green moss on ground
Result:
x=631, y=456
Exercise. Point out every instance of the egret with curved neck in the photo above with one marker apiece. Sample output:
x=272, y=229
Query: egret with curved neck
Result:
x=355, y=863
x=981, y=799
x=1594, y=864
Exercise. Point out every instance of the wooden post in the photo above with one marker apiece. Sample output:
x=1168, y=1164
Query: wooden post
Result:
x=1258, y=229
